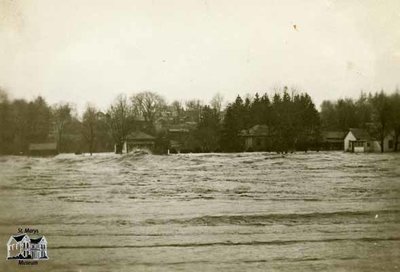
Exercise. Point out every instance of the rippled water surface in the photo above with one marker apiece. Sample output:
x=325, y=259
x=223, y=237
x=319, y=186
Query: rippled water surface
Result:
x=206, y=212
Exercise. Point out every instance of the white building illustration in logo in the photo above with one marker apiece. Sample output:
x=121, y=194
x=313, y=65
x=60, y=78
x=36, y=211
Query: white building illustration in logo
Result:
x=21, y=247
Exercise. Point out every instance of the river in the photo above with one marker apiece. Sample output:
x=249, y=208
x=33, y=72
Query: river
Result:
x=206, y=212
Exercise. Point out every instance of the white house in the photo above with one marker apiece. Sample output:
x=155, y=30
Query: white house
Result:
x=22, y=247
x=39, y=248
x=359, y=140
x=18, y=245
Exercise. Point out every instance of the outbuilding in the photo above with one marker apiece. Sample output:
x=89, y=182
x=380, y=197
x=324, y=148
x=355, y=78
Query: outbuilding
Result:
x=333, y=140
x=256, y=138
x=140, y=140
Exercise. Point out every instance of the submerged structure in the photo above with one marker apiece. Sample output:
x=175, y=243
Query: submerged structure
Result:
x=138, y=140
x=332, y=140
x=256, y=138
x=359, y=140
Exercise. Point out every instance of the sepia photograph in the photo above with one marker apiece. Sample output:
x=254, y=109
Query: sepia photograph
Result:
x=199, y=135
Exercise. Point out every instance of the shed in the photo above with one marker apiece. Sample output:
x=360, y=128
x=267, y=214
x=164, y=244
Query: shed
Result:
x=138, y=139
x=256, y=138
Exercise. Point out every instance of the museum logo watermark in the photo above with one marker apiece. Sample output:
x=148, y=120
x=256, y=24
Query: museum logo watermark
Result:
x=27, y=246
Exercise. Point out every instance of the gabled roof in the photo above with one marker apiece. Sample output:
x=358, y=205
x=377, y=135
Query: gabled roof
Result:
x=257, y=130
x=19, y=237
x=36, y=240
x=138, y=135
x=43, y=146
x=360, y=134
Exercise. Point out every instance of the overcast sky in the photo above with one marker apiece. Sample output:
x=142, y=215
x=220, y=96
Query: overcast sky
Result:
x=91, y=50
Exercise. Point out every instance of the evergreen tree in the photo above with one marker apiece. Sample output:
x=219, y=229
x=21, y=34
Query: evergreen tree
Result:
x=39, y=120
x=395, y=118
x=233, y=123
x=21, y=126
x=7, y=126
x=208, y=129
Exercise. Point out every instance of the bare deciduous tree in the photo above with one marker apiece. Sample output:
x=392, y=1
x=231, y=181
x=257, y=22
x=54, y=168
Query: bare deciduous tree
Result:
x=89, y=123
x=193, y=109
x=3, y=95
x=177, y=110
x=149, y=105
x=61, y=115
x=381, y=116
x=120, y=121
x=216, y=102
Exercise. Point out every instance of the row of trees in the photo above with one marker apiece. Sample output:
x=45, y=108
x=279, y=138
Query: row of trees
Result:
x=148, y=112
x=291, y=117
x=20, y=120
x=23, y=122
x=378, y=113
x=292, y=120
x=140, y=112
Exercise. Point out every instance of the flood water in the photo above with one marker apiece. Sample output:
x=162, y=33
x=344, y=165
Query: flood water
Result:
x=206, y=212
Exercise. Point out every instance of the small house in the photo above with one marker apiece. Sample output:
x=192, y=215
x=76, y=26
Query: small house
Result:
x=43, y=149
x=138, y=140
x=256, y=138
x=359, y=140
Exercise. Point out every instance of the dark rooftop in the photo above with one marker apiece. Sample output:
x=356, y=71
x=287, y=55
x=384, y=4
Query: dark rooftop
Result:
x=138, y=135
x=257, y=130
x=360, y=134
x=36, y=240
x=331, y=135
x=19, y=237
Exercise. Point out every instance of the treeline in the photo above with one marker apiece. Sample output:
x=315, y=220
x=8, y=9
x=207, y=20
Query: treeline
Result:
x=377, y=113
x=293, y=121
x=23, y=122
x=291, y=117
